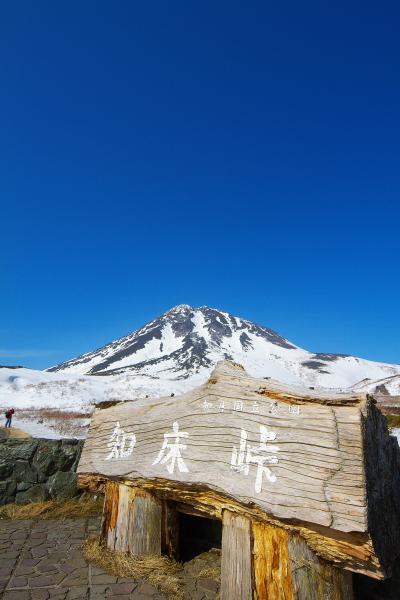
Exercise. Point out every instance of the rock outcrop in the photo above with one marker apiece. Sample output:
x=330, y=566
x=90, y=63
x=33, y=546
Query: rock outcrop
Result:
x=34, y=470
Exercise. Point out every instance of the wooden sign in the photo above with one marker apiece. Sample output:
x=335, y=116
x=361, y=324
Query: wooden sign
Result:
x=319, y=463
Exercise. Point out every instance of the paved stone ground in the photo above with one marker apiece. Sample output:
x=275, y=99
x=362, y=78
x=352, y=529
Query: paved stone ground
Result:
x=41, y=560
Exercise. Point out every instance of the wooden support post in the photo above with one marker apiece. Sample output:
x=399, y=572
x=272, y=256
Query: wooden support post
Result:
x=124, y=525
x=117, y=516
x=314, y=578
x=236, y=572
x=131, y=520
x=170, y=530
x=271, y=564
x=285, y=568
x=110, y=513
x=147, y=515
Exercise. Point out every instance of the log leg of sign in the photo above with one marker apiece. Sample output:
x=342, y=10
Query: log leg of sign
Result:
x=110, y=513
x=170, y=530
x=124, y=524
x=264, y=562
x=118, y=516
x=271, y=563
x=236, y=563
x=313, y=578
x=131, y=520
x=147, y=514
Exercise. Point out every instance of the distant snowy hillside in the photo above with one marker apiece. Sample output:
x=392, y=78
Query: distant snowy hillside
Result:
x=386, y=386
x=185, y=343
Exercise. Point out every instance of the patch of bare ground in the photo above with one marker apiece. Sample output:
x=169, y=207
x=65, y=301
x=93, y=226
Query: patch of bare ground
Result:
x=159, y=571
x=108, y=404
x=13, y=432
x=84, y=506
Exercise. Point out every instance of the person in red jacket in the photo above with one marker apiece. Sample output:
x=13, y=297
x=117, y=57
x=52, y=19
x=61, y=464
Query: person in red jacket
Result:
x=9, y=416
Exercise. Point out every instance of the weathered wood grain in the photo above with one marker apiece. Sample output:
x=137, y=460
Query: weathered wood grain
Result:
x=236, y=559
x=382, y=469
x=146, y=524
x=117, y=520
x=170, y=530
x=351, y=550
x=318, y=475
x=259, y=560
x=313, y=578
x=124, y=522
x=285, y=568
x=110, y=514
x=317, y=479
x=271, y=565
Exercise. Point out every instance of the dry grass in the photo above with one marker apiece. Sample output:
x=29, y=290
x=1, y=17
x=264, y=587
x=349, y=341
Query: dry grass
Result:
x=70, y=423
x=14, y=432
x=393, y=421
x=159, y=571
x=85, y=506
x=18, y=433
x=62, y=415
x=210, y=573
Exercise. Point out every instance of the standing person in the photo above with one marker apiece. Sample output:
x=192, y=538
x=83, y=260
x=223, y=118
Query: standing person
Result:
x=9, y=416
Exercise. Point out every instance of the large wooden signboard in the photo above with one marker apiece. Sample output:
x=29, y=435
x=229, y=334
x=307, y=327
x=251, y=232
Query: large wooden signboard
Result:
x=318, y=462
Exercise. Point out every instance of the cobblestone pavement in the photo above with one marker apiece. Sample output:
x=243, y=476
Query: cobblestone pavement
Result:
x=41, y=560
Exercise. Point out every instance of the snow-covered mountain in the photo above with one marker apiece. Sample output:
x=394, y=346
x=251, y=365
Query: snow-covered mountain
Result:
x=176, y=352
x=185, y=343
x=172, y=354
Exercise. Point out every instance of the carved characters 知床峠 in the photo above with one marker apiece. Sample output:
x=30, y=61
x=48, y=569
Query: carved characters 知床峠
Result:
x=121, y=444
x=261, y=455
x=170, y=452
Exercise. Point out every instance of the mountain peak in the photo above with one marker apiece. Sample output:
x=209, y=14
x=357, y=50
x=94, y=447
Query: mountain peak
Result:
x=182, y=342
x=185, y=344
x=180, y=308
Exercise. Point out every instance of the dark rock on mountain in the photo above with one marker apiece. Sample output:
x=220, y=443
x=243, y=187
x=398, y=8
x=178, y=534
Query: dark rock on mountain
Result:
x=315, y=364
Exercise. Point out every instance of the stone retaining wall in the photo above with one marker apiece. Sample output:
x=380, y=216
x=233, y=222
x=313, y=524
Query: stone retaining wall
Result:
x=35, y=470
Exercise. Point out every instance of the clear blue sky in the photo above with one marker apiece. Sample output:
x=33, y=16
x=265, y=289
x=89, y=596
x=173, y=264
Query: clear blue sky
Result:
x=239, y=155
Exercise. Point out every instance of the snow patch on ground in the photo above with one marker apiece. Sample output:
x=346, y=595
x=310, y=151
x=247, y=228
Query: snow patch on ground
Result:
x=37, y=428
x=29, y=389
